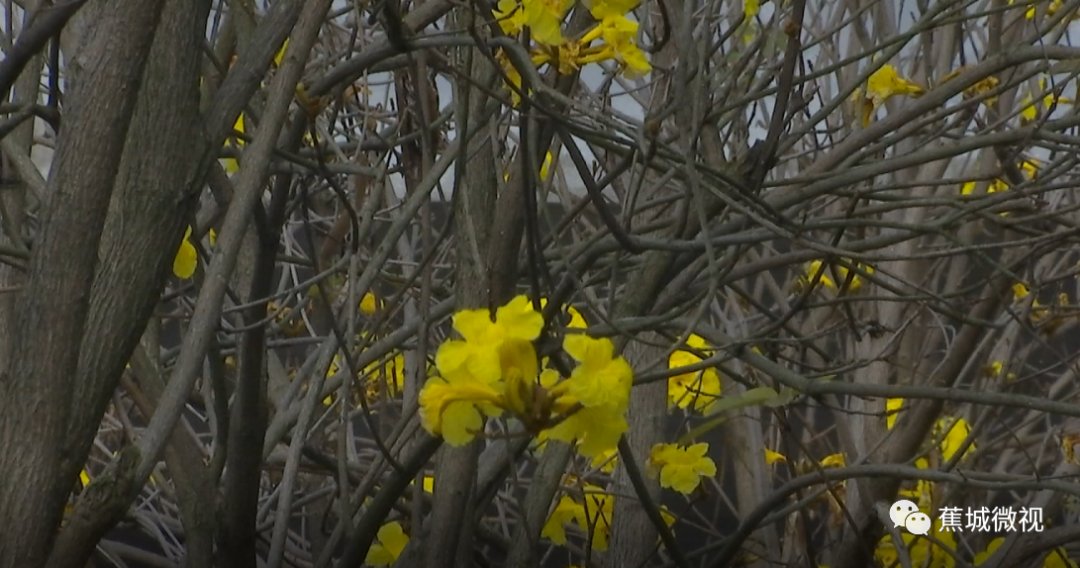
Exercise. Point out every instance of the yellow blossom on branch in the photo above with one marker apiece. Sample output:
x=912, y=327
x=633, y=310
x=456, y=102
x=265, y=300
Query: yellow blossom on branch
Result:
x=510, y=16
x=186, y=258
x=479, y=353
x=495, y=369
x=882, y=85
x=1029, y=110
x=681, y=468
x=592, y=515
x=835, y=276
x=953, y=433
x=565, y=512
x=696, y=390
x=369, y=304
x=391, y=541
x=596, y=396
x=833, y=460
x=1029, y=168
x=230, y=164
x=473, y=371
x=618, y=33
x=773, y=457
x=601, y=9
x=892, y=411
x=921, y=550
x=544, y=19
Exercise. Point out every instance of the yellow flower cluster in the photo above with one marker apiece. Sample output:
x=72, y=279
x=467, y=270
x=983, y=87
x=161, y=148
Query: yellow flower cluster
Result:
x=544, y=19
x=681, y=468
x=494, y=369
x=1028, y=167
x=592, y=515
x=1046, y=317
x=1030, y=111
x=949, y=430
x=922, y=551
x=951, y=433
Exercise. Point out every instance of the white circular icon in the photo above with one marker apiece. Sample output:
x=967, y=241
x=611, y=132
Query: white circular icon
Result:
x=900, y=511
x=917, y=523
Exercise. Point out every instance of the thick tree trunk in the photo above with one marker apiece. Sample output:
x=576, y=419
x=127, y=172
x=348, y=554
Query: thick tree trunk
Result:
x=38, y=382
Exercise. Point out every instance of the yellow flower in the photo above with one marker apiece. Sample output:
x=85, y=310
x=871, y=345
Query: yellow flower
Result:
x=695, y=390
x=1029, y=167
x=882, y=85
x=566, y=510
x=280, y=55
x=841, y=273
x=596, y=429
x=369, y=304
x=597, y=394
x=597, y=512
x=545, y=173
x=892, y=411
x=1020, y=291
x=1058, y=558
x=390, y=375
x=577, y=321
x=592, y=515
x=510, y=15
x=682, y=468
x=230, y=164
x=772, y=457
x=921, y=550
x=833, y=460
x=923, y=493
x=1029, y=110
x=474, y=371
x=452, y=408
x=601, y=9
x=391, y=541
x=479, y=352
x=601, y=378
x=956, y=431
x=619, y=34
x=544, y=18
x=606, y=460
x=983, y=86
x=186, y=258
x=513, y=79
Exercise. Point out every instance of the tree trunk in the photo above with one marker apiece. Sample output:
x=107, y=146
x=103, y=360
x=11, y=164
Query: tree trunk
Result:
x=38, y=385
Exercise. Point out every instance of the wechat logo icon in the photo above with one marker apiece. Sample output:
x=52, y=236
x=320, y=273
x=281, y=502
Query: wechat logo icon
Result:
x=906, y=514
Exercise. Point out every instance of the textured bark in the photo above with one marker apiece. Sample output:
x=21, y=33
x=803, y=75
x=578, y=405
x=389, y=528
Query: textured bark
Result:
x=149, y=209
x=37, y=385
x=248, y=416
x=633, y=536
x=13, y=202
